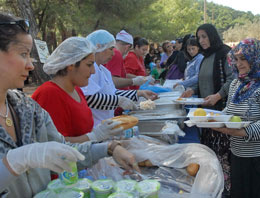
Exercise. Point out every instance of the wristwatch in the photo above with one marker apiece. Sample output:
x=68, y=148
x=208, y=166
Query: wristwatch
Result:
x=111, y=147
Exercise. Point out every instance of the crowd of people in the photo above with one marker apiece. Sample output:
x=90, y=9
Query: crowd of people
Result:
x=93, y=77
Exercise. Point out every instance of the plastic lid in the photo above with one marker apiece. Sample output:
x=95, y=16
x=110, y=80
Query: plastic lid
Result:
x=102, y=185
x=126, y=185
x=56, y=185
x=45, y=194
x=147, y=187
x=83, y=184
x=70, y=193
x=121, y=195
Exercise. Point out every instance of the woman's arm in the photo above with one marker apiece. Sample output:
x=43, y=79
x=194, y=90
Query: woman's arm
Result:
x=102, y=101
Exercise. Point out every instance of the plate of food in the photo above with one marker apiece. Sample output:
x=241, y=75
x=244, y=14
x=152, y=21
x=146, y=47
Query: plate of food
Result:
x=207, y=115
x=236, y=125
x=189, y=101
x=210, y=124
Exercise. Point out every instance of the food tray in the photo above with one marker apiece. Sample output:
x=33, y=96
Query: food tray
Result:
x=211, y=115
x=189, y=101
x=231, y=125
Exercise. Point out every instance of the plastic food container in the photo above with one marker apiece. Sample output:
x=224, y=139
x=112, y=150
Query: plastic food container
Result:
x=149, y=188
x=46, y=194
x=236, y=125
x=56, y=186
x=126, y=186
x=69, y=193
x=84, y=186
x=121, y=195
x=102, y=188
x=211, y=115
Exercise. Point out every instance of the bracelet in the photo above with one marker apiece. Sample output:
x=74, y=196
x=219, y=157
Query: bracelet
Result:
x=112, y=146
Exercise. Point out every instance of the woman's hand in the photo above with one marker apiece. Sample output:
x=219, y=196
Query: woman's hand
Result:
x=147, y=94
x=232, y=132
x=188, y=93
x=211, y=100
x=125, y=159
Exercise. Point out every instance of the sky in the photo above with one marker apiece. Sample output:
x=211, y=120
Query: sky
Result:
x=242, y=5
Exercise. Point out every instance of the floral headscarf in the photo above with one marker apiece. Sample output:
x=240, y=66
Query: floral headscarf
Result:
x=250, y=48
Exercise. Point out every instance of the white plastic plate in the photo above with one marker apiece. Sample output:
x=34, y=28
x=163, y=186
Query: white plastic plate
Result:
x=236, y=125
x=189, y=101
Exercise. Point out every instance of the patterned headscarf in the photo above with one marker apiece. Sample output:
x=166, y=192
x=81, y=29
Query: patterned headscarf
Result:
x=250, y=49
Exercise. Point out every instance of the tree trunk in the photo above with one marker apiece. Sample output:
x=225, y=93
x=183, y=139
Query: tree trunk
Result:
x=26, y=12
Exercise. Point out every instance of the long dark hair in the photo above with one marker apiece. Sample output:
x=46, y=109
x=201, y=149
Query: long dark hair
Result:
x=8, y=33
x=215, y=41
x=139, y=41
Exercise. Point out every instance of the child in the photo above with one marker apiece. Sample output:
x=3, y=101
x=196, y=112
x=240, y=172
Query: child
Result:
x=157, y=70
x=192, y=70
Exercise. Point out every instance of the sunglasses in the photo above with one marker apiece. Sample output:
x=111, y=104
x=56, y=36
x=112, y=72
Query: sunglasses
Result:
x=23, y=24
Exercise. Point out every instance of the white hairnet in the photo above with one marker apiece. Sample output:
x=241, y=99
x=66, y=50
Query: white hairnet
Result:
x=69, y=52
x=102, y=40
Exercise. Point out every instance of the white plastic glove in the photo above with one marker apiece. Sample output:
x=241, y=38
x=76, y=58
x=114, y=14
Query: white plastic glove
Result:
x=126, y=104
x=139, y=80
x=51, y=155
x=105, y=130
x=151, y=79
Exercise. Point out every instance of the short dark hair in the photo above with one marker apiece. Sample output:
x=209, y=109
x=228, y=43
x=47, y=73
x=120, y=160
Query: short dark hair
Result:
x=138, y=41
x=8, y=33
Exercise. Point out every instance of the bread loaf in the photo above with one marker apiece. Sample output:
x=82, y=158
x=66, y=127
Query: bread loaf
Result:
x=192, y=169
x=146, y=163
x=126, y=121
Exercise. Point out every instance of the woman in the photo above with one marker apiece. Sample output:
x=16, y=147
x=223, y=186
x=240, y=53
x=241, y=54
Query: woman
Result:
x=101, y=95
x=244, y=101
x=214, y=79
x=27, y=130
x=134, y=61
x=167, y=48
x=71, y=65
x=192, y=71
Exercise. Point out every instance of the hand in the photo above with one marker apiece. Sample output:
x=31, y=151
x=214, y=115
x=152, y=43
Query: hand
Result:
x=49, y=155
x=126, y=104
x=147, y=94
x=211, y=100
x=139, y=80
x=188, y=93
x=105, y=130
x=151, y=79
x=125, y=159
x=232, y=132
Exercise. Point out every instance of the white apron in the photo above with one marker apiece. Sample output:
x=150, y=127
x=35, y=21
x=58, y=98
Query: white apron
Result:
x=100, y=82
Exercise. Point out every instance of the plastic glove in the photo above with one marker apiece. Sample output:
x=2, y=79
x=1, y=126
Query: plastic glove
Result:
x=151, y=79
x=139, y=80
x=52, y=155
x=105, y=130
x=126, y=103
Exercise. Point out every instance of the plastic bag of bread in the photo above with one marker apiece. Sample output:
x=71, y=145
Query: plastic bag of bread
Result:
x=126, y=121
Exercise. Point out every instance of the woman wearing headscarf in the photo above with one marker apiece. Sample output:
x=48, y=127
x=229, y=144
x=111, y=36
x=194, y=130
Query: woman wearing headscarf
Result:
x=214, y=79
x=244, y=101
x=70, y=66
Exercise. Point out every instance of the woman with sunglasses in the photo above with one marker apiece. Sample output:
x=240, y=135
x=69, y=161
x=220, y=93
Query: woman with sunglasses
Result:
x=29, y=139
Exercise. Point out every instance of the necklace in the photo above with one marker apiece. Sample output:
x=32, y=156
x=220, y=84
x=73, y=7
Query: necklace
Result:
x=8, y=121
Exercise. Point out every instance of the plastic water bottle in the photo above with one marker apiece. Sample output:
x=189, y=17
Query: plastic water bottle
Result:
x=134, y=131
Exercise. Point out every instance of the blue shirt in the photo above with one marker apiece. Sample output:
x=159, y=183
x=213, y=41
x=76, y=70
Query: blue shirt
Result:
x=192, y=71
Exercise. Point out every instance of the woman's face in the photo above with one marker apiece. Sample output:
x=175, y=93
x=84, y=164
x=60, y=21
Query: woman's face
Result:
x=82, y=73
x=104, y=56
x=242, y=65
x=141, y=51
x=15, y=64
x=192, y=50
x=178, y=46
x=203, y=39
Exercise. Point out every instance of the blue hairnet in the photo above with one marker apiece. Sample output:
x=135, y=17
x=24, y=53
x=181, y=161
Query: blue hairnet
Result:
x=102, y=40
x=69, y=52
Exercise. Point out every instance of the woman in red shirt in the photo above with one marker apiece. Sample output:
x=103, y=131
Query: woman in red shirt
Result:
x=70, y=67
x=134, y=61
